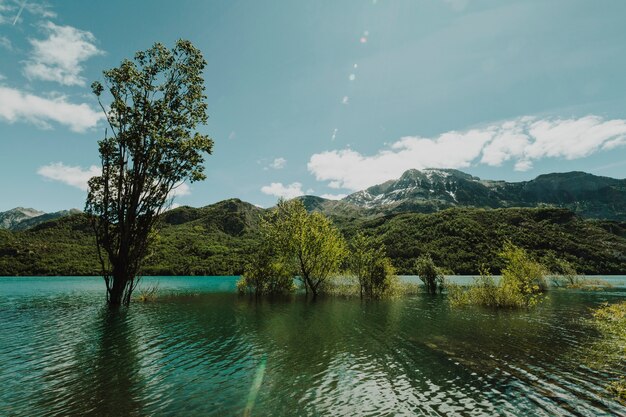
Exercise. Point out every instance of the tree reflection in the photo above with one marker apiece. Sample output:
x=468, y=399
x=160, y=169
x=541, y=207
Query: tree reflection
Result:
x=101, y=377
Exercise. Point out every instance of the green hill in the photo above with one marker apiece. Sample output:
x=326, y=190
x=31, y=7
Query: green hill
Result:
x=218, y=239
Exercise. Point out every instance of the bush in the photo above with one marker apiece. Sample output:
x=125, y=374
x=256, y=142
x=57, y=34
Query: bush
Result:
x=523, y=279
x=308, y=241
x=430, y=274
x=608, y=353
x=266, y=275
x=372, y=268
x=148, y=293
x=521, y=285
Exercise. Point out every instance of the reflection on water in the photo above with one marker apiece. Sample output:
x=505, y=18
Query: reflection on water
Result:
x=213, y=353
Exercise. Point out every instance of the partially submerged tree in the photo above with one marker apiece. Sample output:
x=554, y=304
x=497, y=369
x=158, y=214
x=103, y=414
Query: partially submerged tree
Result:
x=430, y=274
x=157, y=101
x=309, y=240
x=371, y=266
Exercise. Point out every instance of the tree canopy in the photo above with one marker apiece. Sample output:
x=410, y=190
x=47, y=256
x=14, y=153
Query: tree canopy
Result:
x=156, y=103
x=309, y=240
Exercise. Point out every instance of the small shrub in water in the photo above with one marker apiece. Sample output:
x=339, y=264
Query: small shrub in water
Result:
x=522, y=283
x=372, y=268
x=431, y=276
x=148, y=293
x=266, y=275
x=609, y=352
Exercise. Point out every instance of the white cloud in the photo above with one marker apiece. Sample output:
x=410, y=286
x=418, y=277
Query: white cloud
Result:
x=39, y=10
x=349, y=169
x=333, y=196
x=6, y=43
x=6, y=11
x=277, y=189
x=278, y=163
x=180, y=190
x=17, y=105
x=11, y=12
x=78, y=177
x=71, y=175
x=522, y=141
x=528, y=139
x=59, y=56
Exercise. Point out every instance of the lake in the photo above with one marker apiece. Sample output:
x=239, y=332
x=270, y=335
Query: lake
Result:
x=204, y=350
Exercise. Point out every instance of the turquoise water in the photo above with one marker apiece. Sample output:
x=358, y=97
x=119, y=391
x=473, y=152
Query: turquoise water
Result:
x=203, y=350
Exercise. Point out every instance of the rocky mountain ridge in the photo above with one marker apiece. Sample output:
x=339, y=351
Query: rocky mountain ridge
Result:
x=432, y=190
x=21, y=218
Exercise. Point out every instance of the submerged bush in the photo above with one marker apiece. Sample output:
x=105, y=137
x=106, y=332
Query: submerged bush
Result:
x=309, y=243
x=609, y=352
x=148, y=293
x=266, y=274
x=483, y=291
x=372, y=268
x=430, y=274
x=523, y=279
x=521, y=286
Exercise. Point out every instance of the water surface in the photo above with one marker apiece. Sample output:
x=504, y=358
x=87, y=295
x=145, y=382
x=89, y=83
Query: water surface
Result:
x=202, y=350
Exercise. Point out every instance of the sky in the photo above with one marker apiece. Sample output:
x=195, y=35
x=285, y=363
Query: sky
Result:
x=324, y=97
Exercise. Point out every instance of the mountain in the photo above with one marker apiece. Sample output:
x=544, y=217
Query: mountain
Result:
x=429, y=191
x=21, y=218
x=13, y=217
x=34, y=221
x=461, y=220
x=432, y=190
x=219, y=239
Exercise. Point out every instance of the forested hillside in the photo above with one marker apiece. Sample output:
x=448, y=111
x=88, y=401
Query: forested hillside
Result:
x=218, y=239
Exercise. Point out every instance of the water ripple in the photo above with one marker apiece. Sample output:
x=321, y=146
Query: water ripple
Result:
x=64, y=354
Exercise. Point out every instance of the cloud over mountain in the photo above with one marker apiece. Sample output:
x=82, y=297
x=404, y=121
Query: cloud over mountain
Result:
x=523, y=141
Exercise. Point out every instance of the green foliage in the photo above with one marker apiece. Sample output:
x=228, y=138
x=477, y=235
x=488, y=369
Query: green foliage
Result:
x=309, y=242
x=460, y=239
x=483, y=292
x=219, y=240
x=266, y=274
x=521, y=286
x=372, y=268
x=523, y=279
x=156, y=102
x=431, y=276
x=609, y=352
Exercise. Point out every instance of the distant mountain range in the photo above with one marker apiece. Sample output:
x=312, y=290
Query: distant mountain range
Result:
x=21, y=218
x=431, y=190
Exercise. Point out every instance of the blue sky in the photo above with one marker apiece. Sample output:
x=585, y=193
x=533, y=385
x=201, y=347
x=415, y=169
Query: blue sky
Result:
x=324, y=97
